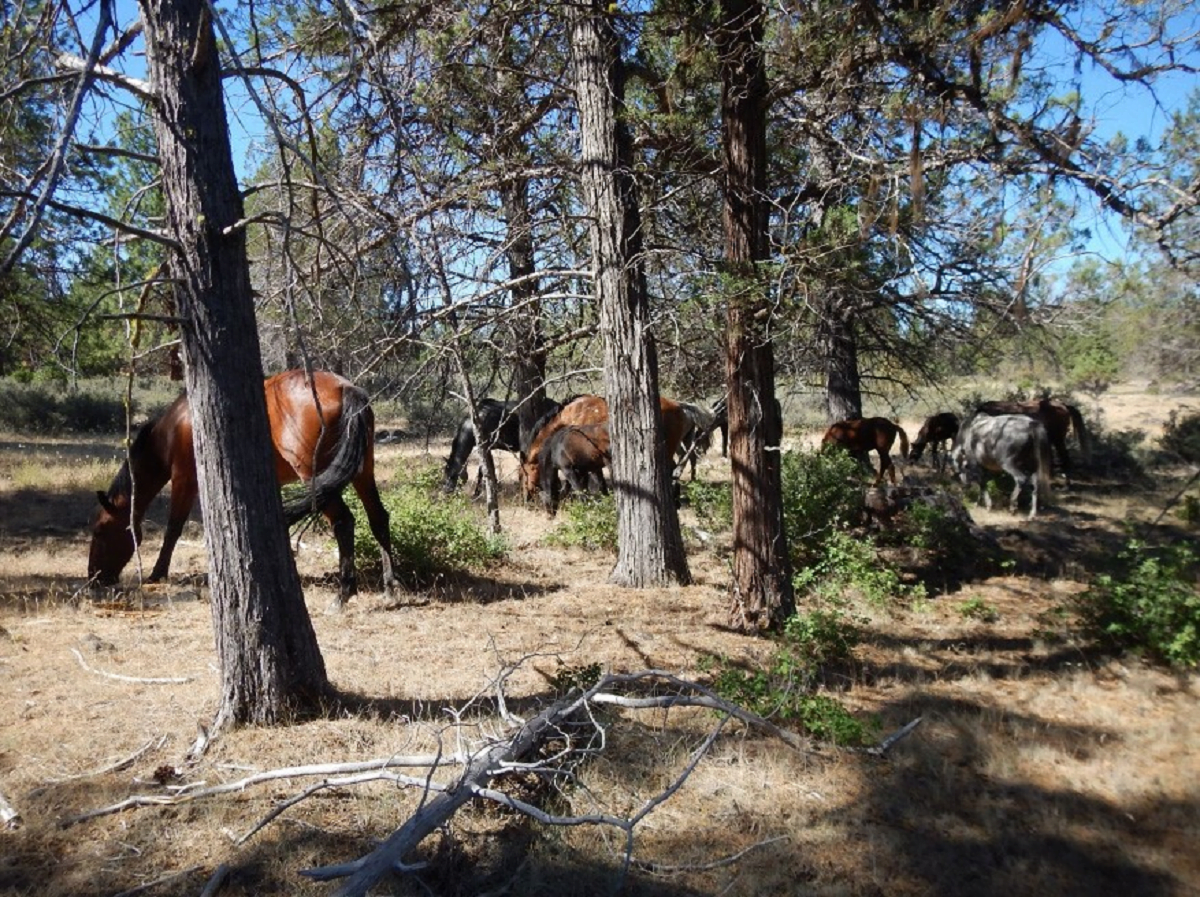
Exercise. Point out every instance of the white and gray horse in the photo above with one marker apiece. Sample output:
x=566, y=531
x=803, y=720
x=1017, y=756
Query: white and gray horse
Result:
x=1012, y=443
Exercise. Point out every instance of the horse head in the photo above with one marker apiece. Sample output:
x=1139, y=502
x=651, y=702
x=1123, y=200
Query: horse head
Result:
x=113, y=541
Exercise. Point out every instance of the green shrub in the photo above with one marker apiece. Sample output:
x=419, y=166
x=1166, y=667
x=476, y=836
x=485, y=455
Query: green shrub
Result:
x=822, y=636
x=978, y=609
x=851, y=563
x=430, y=536
x=1181, y=435
x=712, y=502
x=587, y=522
x=46, y=409
x=822, y=492
x=1151, y=605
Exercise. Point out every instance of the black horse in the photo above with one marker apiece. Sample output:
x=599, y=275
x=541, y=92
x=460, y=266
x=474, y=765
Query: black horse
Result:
x=501, y=430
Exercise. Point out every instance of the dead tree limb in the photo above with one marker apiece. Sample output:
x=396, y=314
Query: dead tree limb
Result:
x=511, y=753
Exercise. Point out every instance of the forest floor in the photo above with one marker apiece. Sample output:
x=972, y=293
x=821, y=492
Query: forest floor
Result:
x=1039, y=766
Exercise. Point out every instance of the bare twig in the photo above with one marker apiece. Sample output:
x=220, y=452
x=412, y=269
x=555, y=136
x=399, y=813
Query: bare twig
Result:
x=120, y=678
x=116, y=765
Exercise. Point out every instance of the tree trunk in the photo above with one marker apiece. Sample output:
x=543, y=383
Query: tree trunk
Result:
x=270, y=660
x=839, y=346
x=650, y=551
x=762, y=576
x=529, y=352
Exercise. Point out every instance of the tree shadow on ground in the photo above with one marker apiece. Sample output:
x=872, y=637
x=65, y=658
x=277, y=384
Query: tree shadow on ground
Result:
x=943, y=816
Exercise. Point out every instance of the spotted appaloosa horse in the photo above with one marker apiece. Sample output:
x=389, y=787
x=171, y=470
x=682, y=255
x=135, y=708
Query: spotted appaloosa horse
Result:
x=1013, y=443
x=322, y=432
x=867, y=434
x=1056, y=416
x=937, y=430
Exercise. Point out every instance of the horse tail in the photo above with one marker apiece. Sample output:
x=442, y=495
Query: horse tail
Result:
x=353, y=442
x=903, y=442
x=1081, y=433
x=460, y=452
x=1044, y=461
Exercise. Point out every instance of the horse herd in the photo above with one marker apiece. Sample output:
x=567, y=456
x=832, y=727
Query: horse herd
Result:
x=322, y=432
x=1010, y=437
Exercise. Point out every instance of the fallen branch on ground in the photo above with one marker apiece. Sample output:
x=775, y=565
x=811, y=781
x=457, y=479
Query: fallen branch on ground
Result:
x=138, y=679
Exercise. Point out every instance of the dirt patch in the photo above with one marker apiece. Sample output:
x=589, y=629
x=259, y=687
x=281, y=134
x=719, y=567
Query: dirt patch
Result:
x=1037, y=768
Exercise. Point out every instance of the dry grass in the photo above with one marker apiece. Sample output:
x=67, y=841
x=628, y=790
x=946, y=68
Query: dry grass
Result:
x=1038, y=769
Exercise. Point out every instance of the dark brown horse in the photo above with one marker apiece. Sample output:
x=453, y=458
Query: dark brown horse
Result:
x=937, y=430
x=593, y=410
x=859, y=437
x=580, y=453
x=325, y=450
x=1057, y=417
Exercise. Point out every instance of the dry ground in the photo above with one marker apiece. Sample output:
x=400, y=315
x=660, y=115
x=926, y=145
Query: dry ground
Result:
x=1039, y=768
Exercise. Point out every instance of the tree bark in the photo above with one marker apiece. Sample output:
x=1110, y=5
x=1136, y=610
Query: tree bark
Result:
x=270, y=660
x=529, y=351
x=650, y=542
x=762, y=575
x=839, y=347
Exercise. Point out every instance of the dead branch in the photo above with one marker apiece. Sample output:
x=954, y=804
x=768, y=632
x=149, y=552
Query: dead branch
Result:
x=138, y=679
x=117, y=764
x=9, y=817
x=512, y=752
x=218, y=879
x=292, y=772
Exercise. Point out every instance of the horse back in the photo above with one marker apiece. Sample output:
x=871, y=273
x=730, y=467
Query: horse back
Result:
x=585, y=409
x=305, y=417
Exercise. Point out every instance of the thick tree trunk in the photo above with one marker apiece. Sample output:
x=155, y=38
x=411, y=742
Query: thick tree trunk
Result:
x=529, y=352
x=270, y=660
x=843, y=386
x=762, y=580
x=650, y=541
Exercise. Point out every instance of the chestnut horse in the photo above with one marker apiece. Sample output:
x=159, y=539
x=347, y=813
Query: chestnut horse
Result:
x=867, y=434
x=325, y=450
x=592, y=410
x=1057, y=417
x=937, y=430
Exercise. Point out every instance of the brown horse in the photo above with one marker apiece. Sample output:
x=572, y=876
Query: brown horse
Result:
x=592, y=410
x=937, y=430
x=859, y=437
x=580, y=453
x=325, y=450
x=1057, y=417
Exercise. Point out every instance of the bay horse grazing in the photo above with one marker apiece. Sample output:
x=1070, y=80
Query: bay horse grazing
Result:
x=1013, y=443
x=937, y=430
x=501, y=430
x=580, y=453
x=869, y=434
x=1057, y=417
x=326, y=450
x=588, y=409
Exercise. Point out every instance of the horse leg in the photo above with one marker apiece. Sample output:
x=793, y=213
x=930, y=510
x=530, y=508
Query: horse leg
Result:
x=183, y=496
x=886, y=466
x=337, y=512
x=380, y=523
x=601, y=483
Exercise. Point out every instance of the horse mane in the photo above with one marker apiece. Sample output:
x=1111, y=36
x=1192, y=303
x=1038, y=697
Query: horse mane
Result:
x=122, y=484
